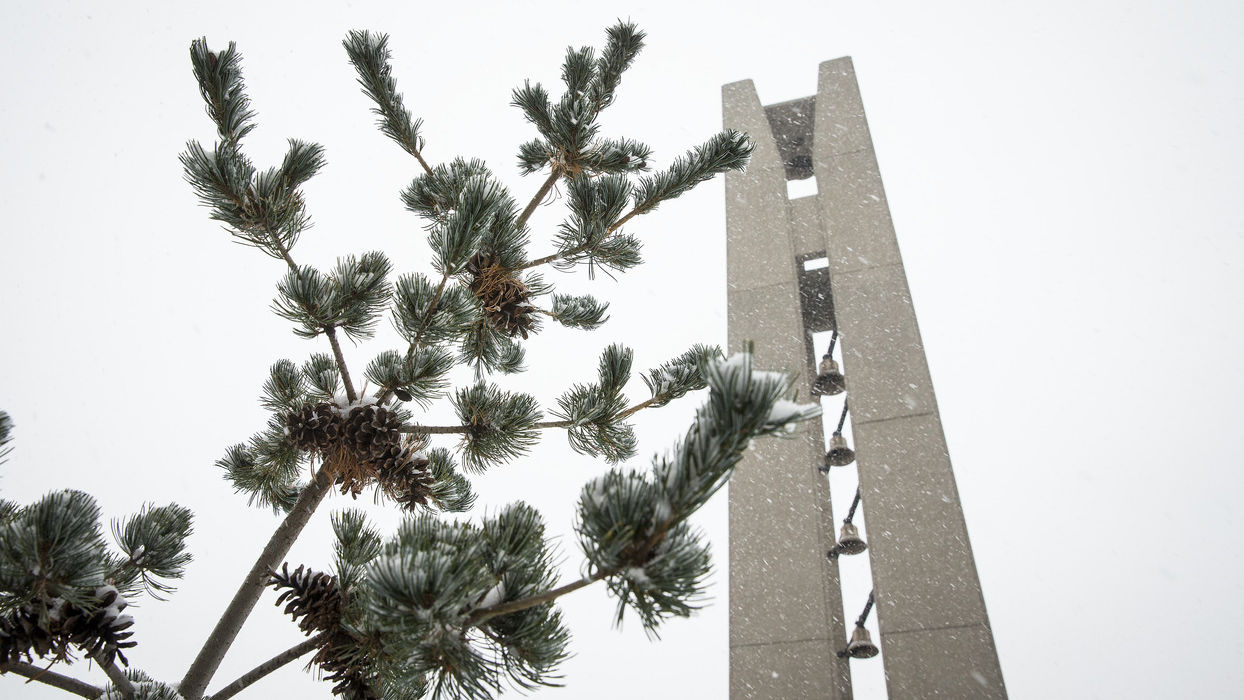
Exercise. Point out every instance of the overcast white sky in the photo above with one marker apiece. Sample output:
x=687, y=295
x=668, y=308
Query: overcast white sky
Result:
x=1064, y=179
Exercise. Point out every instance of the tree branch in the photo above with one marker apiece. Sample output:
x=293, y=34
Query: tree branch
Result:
x=331, y=332
x=419, y=157
x=276, y=241
x=267, y=667
x=117, y=677
x=217, y=645
x=483, y=615
x=580, y=248
x=453, y=429
x=540, y=195
x=423, y=325
x=52, y=678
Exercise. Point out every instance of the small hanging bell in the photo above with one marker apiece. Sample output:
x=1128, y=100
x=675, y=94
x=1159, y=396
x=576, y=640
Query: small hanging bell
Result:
x=849, y=541
x=829, y=380
x=861, y=646
x=839, y=455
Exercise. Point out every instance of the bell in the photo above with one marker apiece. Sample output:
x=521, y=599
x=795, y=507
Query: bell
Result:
x=849, y=541
x=861, y=646
x=839, y=455
x=829, y=380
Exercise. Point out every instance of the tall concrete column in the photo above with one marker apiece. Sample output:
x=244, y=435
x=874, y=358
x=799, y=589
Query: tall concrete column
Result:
x=935, y=632
x=786, y=617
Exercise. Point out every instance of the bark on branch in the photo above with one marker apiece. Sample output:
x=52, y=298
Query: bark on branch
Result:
x=267, y=667
x=208, y=660
x=52, y=678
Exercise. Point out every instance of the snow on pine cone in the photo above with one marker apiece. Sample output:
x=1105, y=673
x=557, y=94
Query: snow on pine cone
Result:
x=101, y=632
x=501, y=294
x=404, y=475
x=314, y=426
x=362, y=445
x=370, y=431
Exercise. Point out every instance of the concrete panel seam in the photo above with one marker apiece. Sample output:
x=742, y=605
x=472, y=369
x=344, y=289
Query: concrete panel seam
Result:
x=849, y=153
x=731, y=290
x=869, y=268
x=783, y=641
x=939, y=629
x=873, y=421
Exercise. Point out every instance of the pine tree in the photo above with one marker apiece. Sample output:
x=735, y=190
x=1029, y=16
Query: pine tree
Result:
x=439, y=608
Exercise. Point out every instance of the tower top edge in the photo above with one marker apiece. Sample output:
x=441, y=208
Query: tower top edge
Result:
x=839, y=64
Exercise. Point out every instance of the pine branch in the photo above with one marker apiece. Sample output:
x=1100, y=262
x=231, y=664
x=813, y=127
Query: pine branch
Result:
x=217, y=645
x=455, y=429
x=554, y=257
x=329, y=329
x=6, y=426
x=220, y=82
x=257, y=206
x=479, y=617
x=268, y=666
x=483, y=615
x=116, y=676
x=341, y=363
x=414, y=343
x=370, y=56
x=728, y=150
x=540, y=195
x=52, y=678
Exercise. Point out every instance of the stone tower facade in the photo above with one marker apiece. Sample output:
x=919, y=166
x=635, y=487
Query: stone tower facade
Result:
x=820, y=263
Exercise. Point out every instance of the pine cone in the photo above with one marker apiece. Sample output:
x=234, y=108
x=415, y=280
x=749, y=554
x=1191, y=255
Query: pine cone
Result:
x=313, y=427
x=101, y=633
x=503, y=297
x=316, y=598
x=404, y=476
x=370, y=431
x=349, y=683
x=311, y=595
x=21, y=634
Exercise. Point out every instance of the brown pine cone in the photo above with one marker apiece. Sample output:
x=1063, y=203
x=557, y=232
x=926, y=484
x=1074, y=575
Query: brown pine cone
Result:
x=103, y=632
x=502, y=295
x=404, y=476
x=369, y=431
x=310, y=595
x=313, y=427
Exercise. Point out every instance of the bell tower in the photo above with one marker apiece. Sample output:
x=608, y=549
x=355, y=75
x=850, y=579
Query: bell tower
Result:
x=829, y=263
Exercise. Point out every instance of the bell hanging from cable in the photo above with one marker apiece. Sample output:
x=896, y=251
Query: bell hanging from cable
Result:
x=840, y=454
x=829, y=379
x=861, y=646
x=849, y=540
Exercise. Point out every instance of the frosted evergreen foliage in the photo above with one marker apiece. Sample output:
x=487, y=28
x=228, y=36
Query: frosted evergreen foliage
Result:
x=144, y=688
x=6, y=427
x=594, y=410
x=445, y=606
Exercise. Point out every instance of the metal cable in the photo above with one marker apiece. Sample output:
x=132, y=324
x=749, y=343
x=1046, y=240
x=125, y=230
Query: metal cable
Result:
x=867, y=609
x=854, y=504
x=842, y=420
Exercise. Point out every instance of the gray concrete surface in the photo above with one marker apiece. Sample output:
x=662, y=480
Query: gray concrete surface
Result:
x=786, y=613
x=785, y=602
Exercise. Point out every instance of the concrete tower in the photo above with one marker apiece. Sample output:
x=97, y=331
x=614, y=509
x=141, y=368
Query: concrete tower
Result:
x=787, y=619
